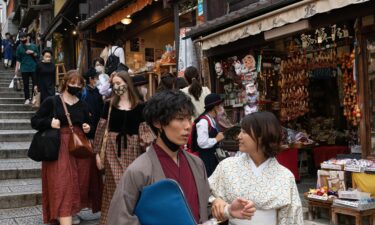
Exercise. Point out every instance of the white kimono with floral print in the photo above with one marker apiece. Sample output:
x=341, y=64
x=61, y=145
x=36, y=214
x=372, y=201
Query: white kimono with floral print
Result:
x=274, y=189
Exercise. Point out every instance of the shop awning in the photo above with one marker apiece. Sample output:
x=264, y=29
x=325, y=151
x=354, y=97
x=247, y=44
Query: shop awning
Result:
x=121, y=14
x=277, y=18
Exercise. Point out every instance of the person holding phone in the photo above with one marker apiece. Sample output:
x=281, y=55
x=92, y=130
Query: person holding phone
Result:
x=27, y=55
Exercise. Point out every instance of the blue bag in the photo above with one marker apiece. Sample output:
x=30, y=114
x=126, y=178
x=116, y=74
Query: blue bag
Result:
x=163, y=203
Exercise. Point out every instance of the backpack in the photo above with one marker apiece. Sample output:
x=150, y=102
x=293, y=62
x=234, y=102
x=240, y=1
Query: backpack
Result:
x=112, y=62
x=192, y=145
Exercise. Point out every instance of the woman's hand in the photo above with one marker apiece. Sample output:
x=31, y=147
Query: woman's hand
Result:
x=217, y=209
x=220, y=136
x=86, y=128
x=242, y=209
x=55, y=123
x=29, y=52
x=99, y=162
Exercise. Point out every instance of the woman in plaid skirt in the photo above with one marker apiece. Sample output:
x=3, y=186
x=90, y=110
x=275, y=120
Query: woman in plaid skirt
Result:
x=128, y=136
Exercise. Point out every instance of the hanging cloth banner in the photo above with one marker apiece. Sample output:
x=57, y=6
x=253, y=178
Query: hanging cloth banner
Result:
x=277, y=18
x=117, y=16
x=187, y=55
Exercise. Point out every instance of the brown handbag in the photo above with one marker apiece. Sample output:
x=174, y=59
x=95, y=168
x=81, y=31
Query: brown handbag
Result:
x=79, y=146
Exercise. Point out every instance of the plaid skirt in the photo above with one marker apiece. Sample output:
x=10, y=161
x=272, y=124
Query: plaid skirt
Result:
x=115, y=166
x=69, y=184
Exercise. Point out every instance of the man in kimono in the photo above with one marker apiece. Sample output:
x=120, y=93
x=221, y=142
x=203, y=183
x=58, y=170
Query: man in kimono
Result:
x=169, y=115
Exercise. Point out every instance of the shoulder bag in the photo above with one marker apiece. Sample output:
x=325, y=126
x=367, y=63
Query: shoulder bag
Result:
x=79, y=146
x=158, y=200
x=46, y=143
x=105, y=136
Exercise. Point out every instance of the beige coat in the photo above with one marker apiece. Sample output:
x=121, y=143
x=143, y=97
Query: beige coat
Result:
x=146, y=170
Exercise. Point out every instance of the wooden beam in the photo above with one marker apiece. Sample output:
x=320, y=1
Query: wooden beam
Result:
x=176, y=32
x=41, y=7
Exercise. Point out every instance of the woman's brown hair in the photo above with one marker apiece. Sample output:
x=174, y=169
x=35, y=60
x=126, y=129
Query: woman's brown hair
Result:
x=133, y=98
x=265, y=130
x=192, y=76
x=72, y=76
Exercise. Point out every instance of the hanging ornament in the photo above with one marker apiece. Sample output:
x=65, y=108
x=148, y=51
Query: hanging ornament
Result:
x=333, y=32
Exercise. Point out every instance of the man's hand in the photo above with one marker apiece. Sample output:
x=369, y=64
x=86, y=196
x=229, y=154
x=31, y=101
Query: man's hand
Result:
x=242, y=209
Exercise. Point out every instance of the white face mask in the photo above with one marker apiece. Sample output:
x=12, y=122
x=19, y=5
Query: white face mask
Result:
x=99, y=69
x=221, y=111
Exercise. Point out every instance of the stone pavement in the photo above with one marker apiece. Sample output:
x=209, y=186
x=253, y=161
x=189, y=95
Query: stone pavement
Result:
x=33, y=216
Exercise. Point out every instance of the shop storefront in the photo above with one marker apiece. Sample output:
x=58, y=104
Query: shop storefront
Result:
x=307, y=72
x=149, y=44
x=311, y=64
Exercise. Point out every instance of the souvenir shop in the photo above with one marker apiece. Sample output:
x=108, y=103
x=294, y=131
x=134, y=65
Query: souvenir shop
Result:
x=316, y=75
x=148, y=43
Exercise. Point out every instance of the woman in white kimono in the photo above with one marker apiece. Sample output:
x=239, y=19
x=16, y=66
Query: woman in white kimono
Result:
x=257, y=176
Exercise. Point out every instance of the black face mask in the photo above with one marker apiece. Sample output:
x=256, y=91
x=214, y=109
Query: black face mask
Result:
x=24, y=41
x=172, y=146
x=74, y=90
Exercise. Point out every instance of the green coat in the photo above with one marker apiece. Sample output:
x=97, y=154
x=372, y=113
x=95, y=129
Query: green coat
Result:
x=28, y=62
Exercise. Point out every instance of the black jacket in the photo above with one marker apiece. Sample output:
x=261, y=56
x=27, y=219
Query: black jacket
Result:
x=95, y=102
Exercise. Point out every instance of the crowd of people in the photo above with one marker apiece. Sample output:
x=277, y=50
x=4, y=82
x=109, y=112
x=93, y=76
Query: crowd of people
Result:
x=140, y=139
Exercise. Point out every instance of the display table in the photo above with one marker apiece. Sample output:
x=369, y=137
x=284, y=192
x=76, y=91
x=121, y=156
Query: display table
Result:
x=314, y=206
x=324, y=153
x=352, y=212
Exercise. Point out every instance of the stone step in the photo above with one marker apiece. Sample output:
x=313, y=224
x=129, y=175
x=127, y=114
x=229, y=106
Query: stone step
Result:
x=17, y=94
x=16, y=135
x=12, y=150
x=32, y=215
x=19, y=169
x=12, y=100
x=16, y=114
x=15, y=107
x=6, y=79
x=15, y=193
x=7, y=90
x=15, y=124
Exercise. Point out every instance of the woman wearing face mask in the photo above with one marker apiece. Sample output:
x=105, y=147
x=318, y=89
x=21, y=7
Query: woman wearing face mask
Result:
x=128, y=135
x=93, y=98
x=66, y=181
x=46, y=75
x=103, y=84
x=208, y=134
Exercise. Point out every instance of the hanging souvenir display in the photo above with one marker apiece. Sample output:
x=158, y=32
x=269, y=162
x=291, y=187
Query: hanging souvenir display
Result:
x=293, y=87
x=352, y=111
x=252, y=95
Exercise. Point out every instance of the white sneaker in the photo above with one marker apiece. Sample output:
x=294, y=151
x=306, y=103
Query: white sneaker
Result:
x=27, y=102
x=76, y=220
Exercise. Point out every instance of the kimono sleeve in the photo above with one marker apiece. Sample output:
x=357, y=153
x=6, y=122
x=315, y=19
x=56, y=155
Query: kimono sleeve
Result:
x=125, y=198
x=217, y=183
x=146, y=136
x=292, y=213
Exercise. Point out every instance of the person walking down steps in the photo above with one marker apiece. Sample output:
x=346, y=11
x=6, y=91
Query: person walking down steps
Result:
x=27, y=55
x=7, y=50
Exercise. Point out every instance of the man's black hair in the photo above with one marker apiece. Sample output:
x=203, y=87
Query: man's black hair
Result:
x=165, y=106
